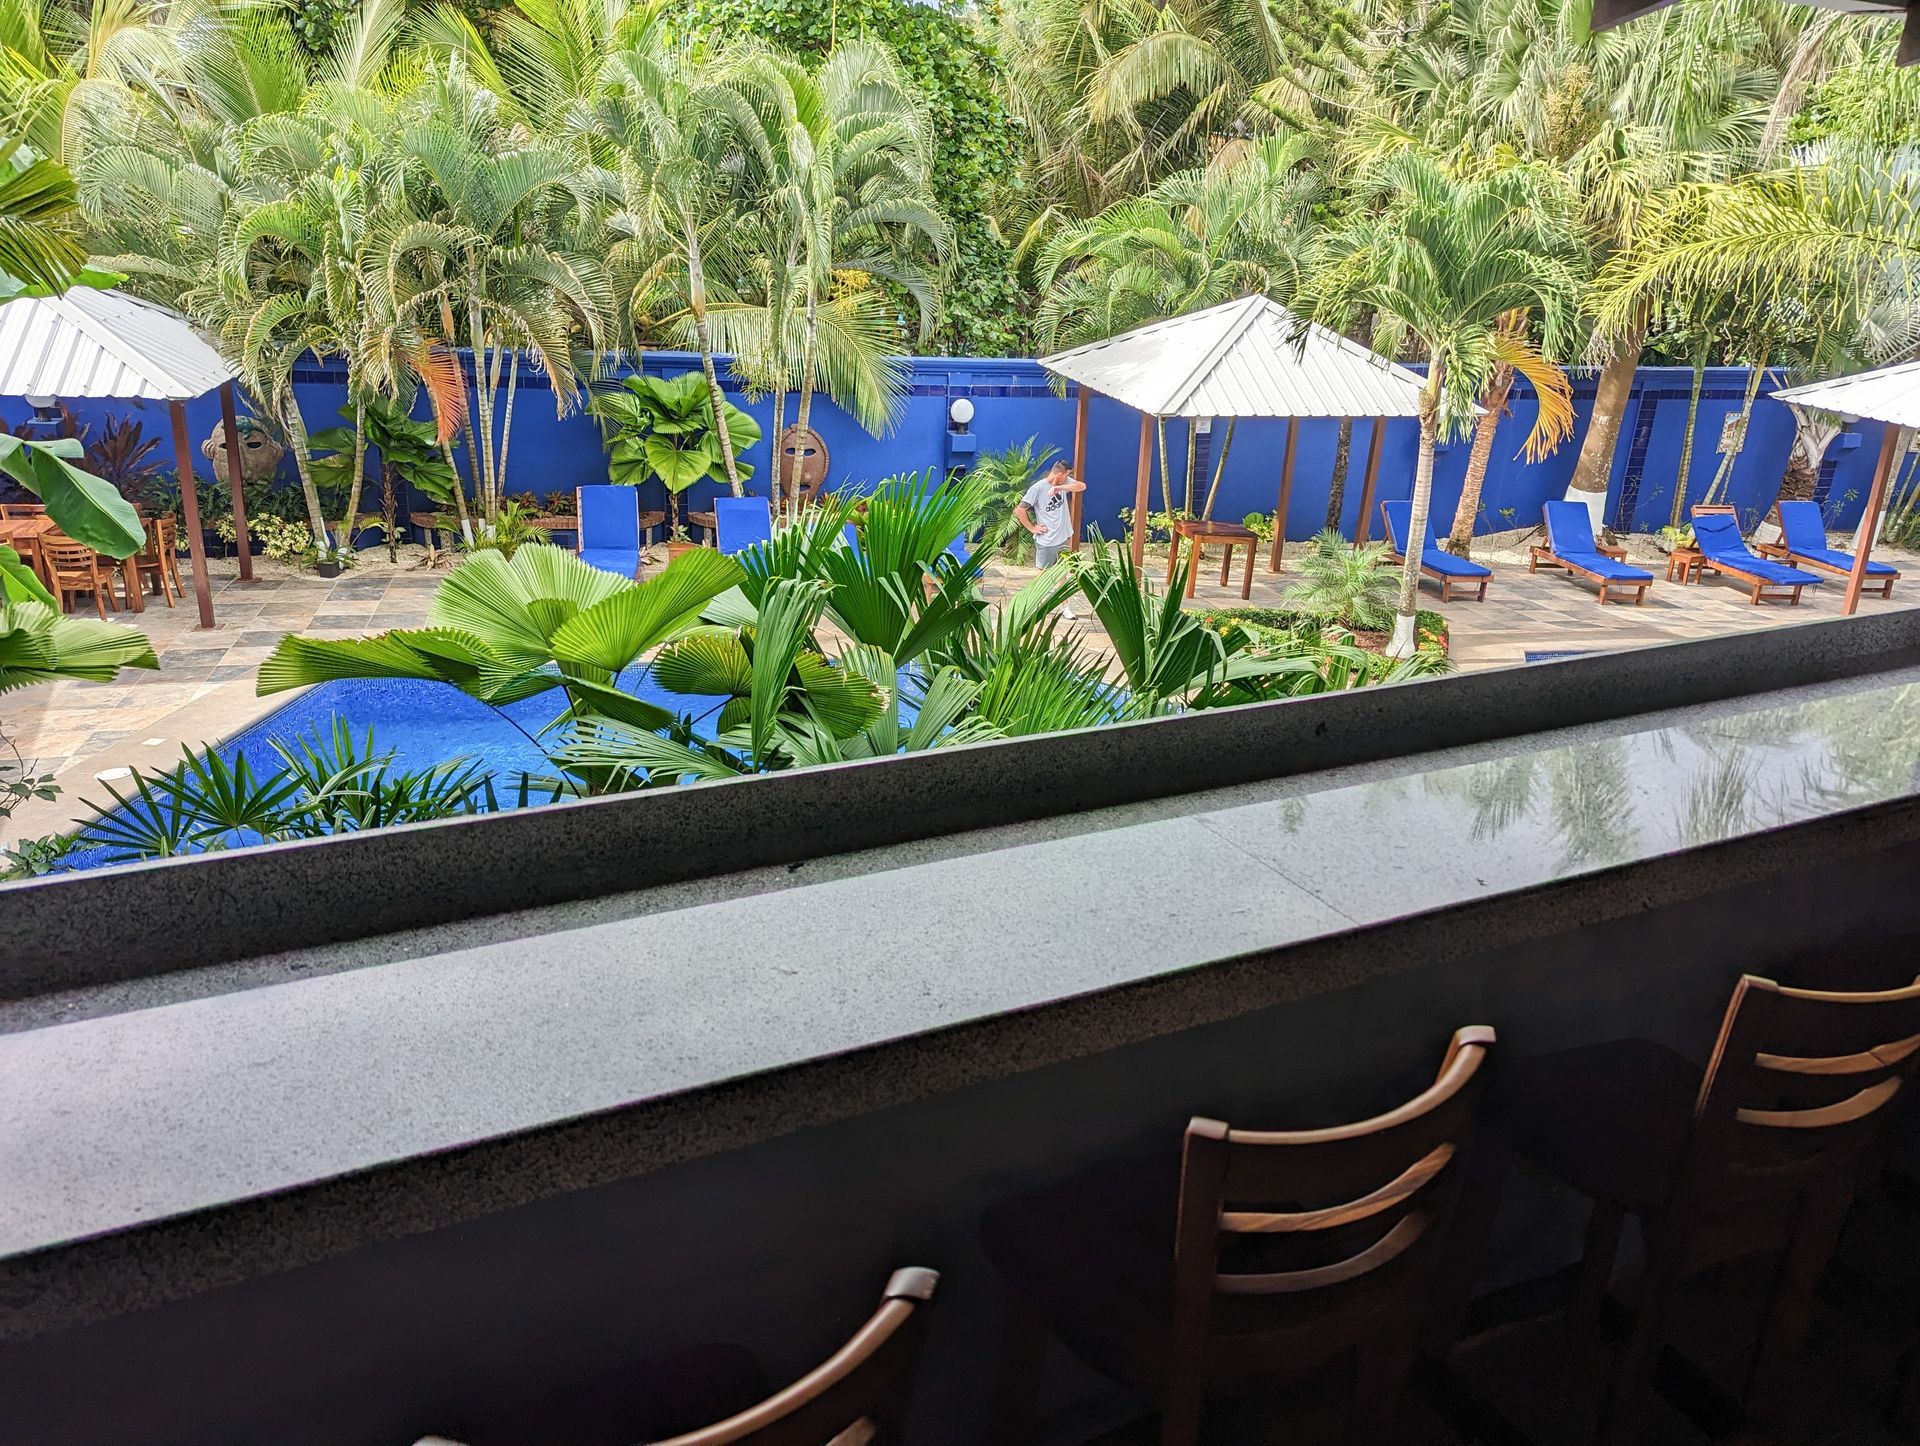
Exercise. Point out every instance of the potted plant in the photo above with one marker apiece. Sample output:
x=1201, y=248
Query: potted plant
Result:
x=663, y=427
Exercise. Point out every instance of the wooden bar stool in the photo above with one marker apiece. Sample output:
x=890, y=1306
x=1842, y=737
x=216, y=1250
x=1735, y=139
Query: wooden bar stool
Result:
x=858, y=1397
x=73, y=567
x=1292, y=1255
x=1759, y=1156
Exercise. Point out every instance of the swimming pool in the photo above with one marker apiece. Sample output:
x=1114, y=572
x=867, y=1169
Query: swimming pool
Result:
x=422, y=724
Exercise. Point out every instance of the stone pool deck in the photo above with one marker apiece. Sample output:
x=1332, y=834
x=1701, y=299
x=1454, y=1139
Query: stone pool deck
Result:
x=204, y=690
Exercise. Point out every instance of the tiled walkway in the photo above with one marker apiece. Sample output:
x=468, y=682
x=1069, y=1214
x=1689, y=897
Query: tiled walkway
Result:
x=204, y=690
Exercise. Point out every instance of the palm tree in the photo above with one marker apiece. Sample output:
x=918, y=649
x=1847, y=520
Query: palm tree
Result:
x=39, y=214
x=1440, y=259
x=1201, y=237
x=1554, y=393
x=691, y=157
x=851, y=191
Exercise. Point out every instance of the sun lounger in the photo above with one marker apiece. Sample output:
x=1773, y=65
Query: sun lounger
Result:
x=609, y=531
x=1435, y=561
x=1803, y=541
x=1571, y=544
x=1716, y=536
x=741, y=522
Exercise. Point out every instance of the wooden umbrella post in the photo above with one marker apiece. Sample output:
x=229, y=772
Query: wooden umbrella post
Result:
x=1286, y=497
x=190, y=503
x=231, y=432
x=1373, y=476
x=1141, y=474
x=1870, y=518
x=1079, y=459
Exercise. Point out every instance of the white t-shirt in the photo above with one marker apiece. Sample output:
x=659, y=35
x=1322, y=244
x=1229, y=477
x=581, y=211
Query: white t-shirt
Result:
x=1052, y=513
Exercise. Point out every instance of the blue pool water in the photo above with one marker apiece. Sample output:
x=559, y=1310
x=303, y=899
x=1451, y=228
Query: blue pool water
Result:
x=426, y=723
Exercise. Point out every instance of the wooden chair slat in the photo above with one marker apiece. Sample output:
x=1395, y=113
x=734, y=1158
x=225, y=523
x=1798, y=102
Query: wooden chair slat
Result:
x=1403, y=1186
x=1855, y=1107
x=1387, y=1249
x=1881, y=1056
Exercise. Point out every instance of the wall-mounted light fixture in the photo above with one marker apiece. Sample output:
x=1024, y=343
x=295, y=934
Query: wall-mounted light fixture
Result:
x=960, y=413
x=46, y=410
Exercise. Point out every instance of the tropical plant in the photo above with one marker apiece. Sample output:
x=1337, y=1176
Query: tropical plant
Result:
x=124, y=455
x=1440, y=262
x=511, y=529
x=1006, y=475
x=664, y=428
x=1345, y=584
x=411, y=455
x=39, y=644
x=325, y=783
x=502, y=629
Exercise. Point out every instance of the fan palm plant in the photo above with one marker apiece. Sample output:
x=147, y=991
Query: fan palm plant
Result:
x=1439, y=261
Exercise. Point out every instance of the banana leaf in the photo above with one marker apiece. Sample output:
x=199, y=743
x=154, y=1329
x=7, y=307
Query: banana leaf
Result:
x=86, y=508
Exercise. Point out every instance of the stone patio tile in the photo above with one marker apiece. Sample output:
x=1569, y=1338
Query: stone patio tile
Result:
x=342, y=623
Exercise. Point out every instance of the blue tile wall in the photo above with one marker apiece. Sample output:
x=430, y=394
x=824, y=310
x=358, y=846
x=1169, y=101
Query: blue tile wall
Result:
x=1015, y=400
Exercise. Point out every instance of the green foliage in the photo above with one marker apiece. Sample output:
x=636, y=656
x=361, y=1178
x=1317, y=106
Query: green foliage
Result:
x=411, y=449
x=86, y=508
x=38, y=644
x=512, y=530
x=1006, y=476
x=1345, y=584
x=662, y=428
x=976, y=142
x=276, y=537
x=326, y=783
x=1269, y=627
x=31, y=858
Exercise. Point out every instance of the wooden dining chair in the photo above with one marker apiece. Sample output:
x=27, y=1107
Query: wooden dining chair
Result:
x=858, y=1397
x=1758, y=1156
x=73, y=567
x=21, y=511
x=1292, y=1254
x=160, y=559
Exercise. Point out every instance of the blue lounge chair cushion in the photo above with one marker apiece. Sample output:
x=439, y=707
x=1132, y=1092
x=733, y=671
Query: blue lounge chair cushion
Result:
x=1570, y=539
x=1433, y=557
x=742, y=522
x=1717, y=535
x=1806, y=536
x=609, y=518
x=625, y=562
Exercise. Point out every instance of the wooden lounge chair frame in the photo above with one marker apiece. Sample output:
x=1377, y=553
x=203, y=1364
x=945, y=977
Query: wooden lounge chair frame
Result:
x=1540, y=555
x=1788, y=593
x=1394, y=557
x=1783, y=553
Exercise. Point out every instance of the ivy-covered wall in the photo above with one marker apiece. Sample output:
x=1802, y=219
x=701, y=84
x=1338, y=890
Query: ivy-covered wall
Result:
x=976, y=146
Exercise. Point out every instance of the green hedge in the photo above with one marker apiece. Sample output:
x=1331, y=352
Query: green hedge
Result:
x=1430, y=628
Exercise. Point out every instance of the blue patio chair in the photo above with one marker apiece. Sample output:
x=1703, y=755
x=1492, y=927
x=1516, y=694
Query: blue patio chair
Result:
x=1571, y=544
x=1435, y=561
x=1716, y=535
x=1803, y=541
x=740, y=522
x=609, y=533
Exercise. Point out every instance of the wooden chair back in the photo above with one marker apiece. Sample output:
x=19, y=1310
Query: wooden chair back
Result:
x=18, y=511
x=1791, y=1111
x=1294, y=1248
x=65, y=556
x=858, y=1396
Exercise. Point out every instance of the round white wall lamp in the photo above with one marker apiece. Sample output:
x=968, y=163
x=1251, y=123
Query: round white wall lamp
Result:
x=961, y=411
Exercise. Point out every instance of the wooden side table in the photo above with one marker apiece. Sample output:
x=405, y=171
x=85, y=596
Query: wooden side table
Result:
x=1683, y=565
x=1200, y=534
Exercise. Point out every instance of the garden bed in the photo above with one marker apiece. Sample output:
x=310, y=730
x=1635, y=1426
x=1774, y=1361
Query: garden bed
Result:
x=1430, y=628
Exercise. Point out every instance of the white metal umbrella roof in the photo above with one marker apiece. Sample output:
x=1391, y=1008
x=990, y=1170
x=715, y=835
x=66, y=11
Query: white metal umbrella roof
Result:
x=1246, y=358
x=1886, y=394
x=90, y=343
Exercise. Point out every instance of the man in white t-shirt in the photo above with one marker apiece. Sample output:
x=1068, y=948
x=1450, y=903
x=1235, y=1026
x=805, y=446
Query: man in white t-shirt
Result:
x=1047, y=512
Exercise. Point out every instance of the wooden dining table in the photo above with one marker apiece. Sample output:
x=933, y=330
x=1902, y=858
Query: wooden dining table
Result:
x=23, y=535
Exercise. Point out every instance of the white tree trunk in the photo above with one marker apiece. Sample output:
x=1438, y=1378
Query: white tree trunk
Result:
x=1404, y=640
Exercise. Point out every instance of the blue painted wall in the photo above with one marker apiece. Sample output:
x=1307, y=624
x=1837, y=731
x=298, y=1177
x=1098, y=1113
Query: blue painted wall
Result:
x=1014, y=400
